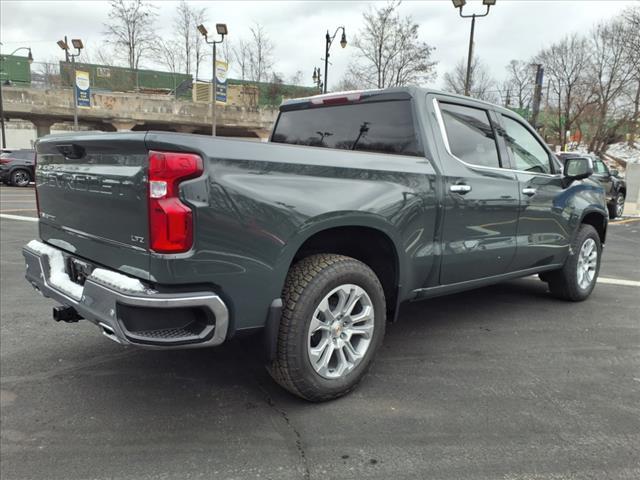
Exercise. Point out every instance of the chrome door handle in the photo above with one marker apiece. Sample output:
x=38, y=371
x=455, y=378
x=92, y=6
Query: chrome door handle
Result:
x=529, y=191
x=461, y=189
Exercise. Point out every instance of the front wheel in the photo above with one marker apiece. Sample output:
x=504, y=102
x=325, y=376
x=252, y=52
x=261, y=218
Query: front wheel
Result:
x=20, y=178
x=332, y=323
x=617, y=206
x=577, y=278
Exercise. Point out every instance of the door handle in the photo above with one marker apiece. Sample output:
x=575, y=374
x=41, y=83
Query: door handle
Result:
x=529, y=191
x=460, y=188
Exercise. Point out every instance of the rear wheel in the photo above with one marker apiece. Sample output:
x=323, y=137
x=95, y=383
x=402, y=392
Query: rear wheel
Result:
x=617, y=206
x=332, y=323
x=577, y=278
x=20, y=178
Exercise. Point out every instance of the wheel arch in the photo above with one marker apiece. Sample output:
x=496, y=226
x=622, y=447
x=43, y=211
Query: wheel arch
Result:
x=369, y=239
x=597, y=220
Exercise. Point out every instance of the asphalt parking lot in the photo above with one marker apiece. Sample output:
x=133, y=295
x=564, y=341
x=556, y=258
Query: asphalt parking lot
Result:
x=499, y=383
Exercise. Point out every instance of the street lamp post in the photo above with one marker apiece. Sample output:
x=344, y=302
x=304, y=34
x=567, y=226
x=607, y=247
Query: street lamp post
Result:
x=77, y=44
x=317, y=78
x=221, y=29
x=328, y=41
x=2, y=80
x=459, y=4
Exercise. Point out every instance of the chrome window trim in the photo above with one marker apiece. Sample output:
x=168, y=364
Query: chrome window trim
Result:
x=445, y=139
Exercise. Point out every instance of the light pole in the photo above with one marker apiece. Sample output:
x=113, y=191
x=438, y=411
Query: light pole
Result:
x=328, y=41
x=77, y=44
x=2, y=80
x=317, y=78
x=459, y=4
x=221, y=29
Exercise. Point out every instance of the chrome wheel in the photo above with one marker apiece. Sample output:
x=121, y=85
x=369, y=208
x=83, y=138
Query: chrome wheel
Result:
x=587, y=263
x=341, y=331
x=20, y=178
x=619, y=205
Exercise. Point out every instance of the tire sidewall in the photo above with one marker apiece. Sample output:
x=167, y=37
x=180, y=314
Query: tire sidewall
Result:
x=317, y=289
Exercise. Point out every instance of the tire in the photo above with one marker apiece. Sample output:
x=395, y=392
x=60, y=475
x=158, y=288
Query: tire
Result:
x=617, y=206
x=310, y=282
x=565, y=282
x=20, y=178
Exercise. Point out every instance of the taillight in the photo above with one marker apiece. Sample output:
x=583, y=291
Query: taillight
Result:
x=170, y=220
x=4, y=161
x=336, y=99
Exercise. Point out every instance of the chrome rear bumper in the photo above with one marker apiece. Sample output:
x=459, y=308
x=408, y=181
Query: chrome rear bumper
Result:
x=107, y=299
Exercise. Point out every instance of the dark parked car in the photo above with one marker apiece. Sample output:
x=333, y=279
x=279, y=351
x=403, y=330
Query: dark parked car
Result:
x=17, y=167
x=361, y=201
x=614, y=186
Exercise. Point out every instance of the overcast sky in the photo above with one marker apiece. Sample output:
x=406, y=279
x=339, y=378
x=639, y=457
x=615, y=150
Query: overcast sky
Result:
x=513, y=29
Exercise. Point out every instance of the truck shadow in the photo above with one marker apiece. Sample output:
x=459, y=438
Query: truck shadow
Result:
x=234, y=374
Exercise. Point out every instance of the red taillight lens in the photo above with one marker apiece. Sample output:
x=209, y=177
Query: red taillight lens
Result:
x=170, y=220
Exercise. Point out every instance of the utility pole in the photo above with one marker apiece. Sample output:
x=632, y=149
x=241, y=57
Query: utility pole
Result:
x=537, y=96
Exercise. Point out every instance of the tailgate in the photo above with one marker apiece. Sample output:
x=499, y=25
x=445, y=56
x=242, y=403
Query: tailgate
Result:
x=92, y=197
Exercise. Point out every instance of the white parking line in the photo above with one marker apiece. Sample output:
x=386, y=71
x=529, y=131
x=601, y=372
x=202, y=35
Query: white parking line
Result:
x=18, y=217
x=618, y=281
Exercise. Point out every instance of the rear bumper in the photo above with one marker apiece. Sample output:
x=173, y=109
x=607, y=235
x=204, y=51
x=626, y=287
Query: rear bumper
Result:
x=127, y=311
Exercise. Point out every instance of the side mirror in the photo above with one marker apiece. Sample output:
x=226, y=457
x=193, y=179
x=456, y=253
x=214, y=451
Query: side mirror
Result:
x=614, y=172
x=578, y=168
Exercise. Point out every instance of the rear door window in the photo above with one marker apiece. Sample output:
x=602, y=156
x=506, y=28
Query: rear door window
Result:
x=471, y=136
x=383, y=127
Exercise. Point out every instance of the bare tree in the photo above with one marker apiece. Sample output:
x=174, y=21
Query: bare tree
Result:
x=170, y=55
x=183, y=23
x=130, y=28
x=347, y=83
x=101, y=56
x=389, y=52
x=240, y=52
x=296, y=78
x=481, y=85
x=609, y=72
x=260, y=54
x=565, y=65
x=632, y=48
x=200, y=47
x=519, y=83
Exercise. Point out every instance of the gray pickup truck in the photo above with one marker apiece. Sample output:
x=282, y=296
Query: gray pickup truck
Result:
x=359, y=202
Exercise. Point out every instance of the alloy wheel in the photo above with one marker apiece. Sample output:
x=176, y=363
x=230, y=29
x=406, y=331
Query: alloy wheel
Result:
x=619, y=205
x=340, y=331
x=587, y=263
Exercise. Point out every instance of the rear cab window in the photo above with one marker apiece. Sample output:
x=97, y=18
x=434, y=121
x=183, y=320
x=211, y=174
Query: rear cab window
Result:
x=385, y=126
